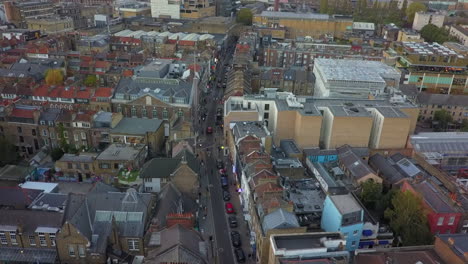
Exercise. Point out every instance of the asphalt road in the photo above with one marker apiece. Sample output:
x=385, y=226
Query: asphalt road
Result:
x=211, y=142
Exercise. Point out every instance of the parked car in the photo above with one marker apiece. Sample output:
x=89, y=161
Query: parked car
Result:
x=224, y=182
x=236, y=239
x=209, y=130
x=232, y=221
x=240, y=256
x=226, y=195
x=229, y=208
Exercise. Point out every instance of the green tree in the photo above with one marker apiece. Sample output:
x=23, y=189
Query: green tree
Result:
x=63, y=142
x=408, y=219
x=404, y=7
x=245, y=16
x=56, y=154
x=443, y=117
x=54, y=77
x=8, y=153
x=432, y=33
x=323, y=6
x=464, y=125
x=90, y=80
x=412, y=9
x=371, y=193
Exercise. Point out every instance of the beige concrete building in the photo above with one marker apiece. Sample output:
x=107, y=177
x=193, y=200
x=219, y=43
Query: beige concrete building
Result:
x=328, y=123
x=409, y=35
x=460, y=32
x=301, y=25
x=53, y=25
x=422, y=19
x=456, y=105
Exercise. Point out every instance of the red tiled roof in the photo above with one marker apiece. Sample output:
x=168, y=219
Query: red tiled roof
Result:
x=101, y=64
x=103, y=92
x=22, y=113
x=54, y=93
x=85, y=63
x=83, y=94
x=67, y=92
x=42, y=90
x=84, y=116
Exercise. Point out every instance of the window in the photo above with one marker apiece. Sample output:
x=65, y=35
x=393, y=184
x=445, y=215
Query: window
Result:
x=143, y=112
x=353, y=243
x=33, y=132
x=52, y=135
x=267, y=107
x=119, y=109
x=42, y=240
x=76, y=137
x=42, y=122
x=133, y=111
x=266, y=115
x=440, y=221
x=78, y=166
x=355, y=232
x=81, y=251
x=451, y=220
x=13, y=238
x=71, y=250
x=44, y=132
x=83, y=135
x=70, y=166
x=133, y=244
x=51, y=123
x=180, y=113
x=86, y=166
x=155, y=113
x=104, y=165
x=65, y=134
x=148, y=189
x=32, y=240
x=52, y=239
x=21, y=139
x=165, y=114
x=3, y=238
x=20, y=130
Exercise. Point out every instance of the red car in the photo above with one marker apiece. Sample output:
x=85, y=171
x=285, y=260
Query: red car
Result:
x=229, y=208
x=209, y=130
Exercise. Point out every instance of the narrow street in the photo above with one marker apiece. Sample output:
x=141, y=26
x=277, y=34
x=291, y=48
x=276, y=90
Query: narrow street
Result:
x=215, y=224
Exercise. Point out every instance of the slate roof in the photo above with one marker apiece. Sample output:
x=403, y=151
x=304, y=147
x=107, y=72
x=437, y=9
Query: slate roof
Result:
x=353, y=162
x=156, y=87
x=30, y=220
x=279, y=219
x=433, y=198
x=49, y=201
x=163, y=167
x=49, y=114
x=92, y=214
x=385, y=169
x=179, y=245
x=17, y=197
x=460, y=243
x=28, y=255
x=171, y=200
x=136, y=126
x=442, y=99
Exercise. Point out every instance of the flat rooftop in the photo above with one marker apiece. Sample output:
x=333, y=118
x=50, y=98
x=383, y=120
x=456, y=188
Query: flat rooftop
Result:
x=345, y=203
x=441, y=142
x=425, y=48
x=303, y=241
x=291, y=15
x=136, y=126
x=354, y=70
x=120, y=152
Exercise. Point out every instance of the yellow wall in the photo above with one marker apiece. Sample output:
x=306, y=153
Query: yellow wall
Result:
x=354, y=131
x=413, y=113
x=307, y=130
x=394, y=133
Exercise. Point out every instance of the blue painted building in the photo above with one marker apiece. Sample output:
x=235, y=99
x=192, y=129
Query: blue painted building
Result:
x=321, y=155
x=342, y=213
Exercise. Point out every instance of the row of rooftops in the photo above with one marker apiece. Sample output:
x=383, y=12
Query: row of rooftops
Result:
x=308, y=105
x=169, y=35
x=302, y=16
